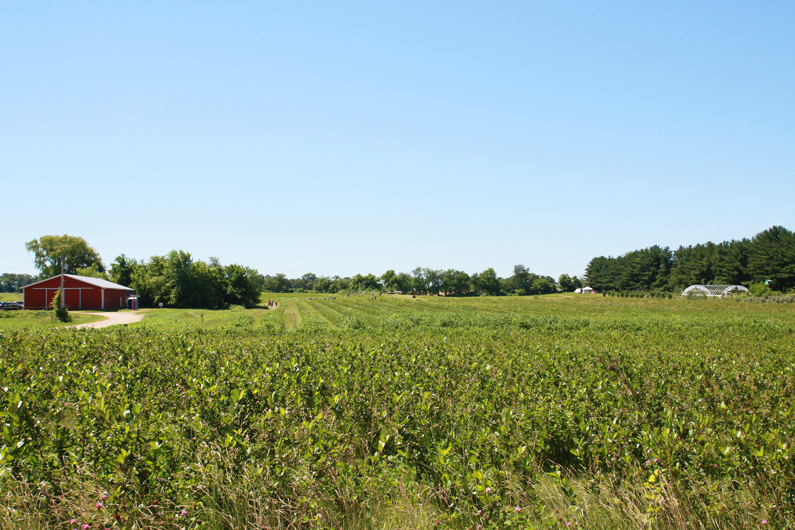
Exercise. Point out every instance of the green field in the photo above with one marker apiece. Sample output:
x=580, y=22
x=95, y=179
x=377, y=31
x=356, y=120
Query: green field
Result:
x=10, y=297
x=558, y=411
x=26, y=320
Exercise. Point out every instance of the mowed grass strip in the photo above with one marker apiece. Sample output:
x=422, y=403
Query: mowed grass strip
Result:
x=307, y=308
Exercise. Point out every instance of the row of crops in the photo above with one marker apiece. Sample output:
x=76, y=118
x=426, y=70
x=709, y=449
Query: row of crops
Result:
x=371, y=414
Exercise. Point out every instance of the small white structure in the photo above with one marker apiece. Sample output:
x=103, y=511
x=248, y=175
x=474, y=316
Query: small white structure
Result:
x=713, y=290
x=578, y=290
x=587, y=290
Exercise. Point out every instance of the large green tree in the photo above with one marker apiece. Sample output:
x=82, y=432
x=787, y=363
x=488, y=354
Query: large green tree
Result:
x=10, y=283
x=486, y=282
x=74, y=252
x=278, y=283
x=773, y=257
x=243, y=285
x=390, y=280
x=121, y=270
x=568, y=283
x=455, y=282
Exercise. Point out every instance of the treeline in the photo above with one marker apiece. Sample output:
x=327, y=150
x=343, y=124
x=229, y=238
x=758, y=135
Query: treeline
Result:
x=176, y=280
x=428, y=281
x=12, y=283
x=769, y=255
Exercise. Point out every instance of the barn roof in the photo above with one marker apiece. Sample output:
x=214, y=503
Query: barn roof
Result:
x=96, y=282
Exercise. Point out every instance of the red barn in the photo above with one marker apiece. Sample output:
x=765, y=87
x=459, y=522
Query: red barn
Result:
x=80, y=292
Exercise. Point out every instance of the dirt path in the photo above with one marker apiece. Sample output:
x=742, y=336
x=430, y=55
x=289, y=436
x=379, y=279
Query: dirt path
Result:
x=112, y=319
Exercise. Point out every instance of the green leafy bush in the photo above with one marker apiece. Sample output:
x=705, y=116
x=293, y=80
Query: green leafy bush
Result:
x=61, y=313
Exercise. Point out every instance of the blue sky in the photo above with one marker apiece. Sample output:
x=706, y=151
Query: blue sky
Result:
x=346, y=137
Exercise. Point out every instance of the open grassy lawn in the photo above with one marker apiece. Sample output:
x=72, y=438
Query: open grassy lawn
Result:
x=559, y=411
x=11, y=297
x=17, y=320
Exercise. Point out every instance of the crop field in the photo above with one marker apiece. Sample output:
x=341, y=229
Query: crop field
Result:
x=397, y=412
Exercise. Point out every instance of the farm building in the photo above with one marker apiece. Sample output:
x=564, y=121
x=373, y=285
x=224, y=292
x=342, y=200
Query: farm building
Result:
x=718, y=291
x=80, y=292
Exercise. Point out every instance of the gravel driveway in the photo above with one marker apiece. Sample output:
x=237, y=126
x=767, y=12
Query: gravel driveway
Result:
x=112, y=319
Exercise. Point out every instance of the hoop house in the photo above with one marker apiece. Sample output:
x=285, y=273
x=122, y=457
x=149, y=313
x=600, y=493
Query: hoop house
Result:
x=713, y=290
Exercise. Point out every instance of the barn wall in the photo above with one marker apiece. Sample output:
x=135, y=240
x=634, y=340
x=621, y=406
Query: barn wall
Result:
x=115, y=299
x=40, y=296
x=92, y=299
x=77, y=295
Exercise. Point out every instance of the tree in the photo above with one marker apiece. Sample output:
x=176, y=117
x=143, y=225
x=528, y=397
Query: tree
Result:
x=418, y=280
x=277, y=284
x=177, y=272
x=341, y=284
x=542, y=286
x=322, y=285
x=75, y=253
x=207, y=287
x=10, y=283
x=242, y=286
x=731, y=267
x=486, y=282
x=390, y=280
x=427, y=280
x=568, y=284
x=150, y=282
x=364, y=283
x=455, y=282
x=121, y=270
x=522, y=280
x=603, y=274
x=773, y=257
x=92, y=272
x=404, y=282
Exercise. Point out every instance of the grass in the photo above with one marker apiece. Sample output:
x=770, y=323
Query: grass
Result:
x=22, y=319
x=334, y=314
x=11, y=297
x=169, y=319
x=559, y=305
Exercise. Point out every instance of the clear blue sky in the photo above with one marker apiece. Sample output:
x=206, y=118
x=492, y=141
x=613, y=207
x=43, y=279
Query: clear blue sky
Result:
x=346, y=137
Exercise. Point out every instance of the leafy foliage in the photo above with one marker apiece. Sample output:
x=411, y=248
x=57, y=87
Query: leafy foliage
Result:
x=50, y=251
x=770, y=255
x=10, y=283
x=482, y=405
x=177, y=280
x=61, y=313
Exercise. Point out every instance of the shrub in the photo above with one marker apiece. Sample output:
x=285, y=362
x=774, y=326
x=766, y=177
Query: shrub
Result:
x=759, y=290
x=61, y=313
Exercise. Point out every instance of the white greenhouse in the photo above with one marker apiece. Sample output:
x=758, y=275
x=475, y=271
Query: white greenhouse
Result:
x=713, y=290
